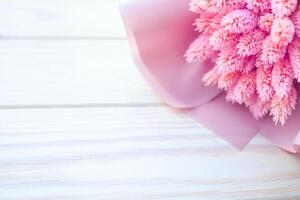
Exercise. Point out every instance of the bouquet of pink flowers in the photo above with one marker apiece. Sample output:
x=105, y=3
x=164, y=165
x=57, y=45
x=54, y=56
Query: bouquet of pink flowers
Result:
x=233, y=65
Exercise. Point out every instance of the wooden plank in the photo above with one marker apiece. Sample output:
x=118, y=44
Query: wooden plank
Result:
x=60, y=72
x=119, y=142
x=133, y=153
x=60, y=18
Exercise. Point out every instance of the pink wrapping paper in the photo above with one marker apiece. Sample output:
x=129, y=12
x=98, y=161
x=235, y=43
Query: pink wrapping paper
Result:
x=159, y=33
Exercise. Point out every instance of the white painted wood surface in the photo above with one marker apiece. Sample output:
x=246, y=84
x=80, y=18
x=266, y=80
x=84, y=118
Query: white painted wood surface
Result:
x=77, y=121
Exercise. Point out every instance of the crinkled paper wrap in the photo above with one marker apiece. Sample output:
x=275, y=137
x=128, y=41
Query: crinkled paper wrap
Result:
x=159, y=33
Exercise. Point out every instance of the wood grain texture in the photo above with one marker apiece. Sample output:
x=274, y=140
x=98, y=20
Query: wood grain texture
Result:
x=133, y=153
x=78, y=122
x=60, y=18
x=70, y=72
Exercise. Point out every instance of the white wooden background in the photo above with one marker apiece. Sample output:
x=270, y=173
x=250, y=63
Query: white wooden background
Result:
x=77, y=121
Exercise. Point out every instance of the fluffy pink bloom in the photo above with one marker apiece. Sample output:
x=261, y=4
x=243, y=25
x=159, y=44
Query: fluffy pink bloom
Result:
x=256, y=50
x=294, y=53
x=296, y=21
x=211, y=77
x=228, y=61
x=215, y=6
x=265, y=22
x=251, y=43
x=200, y=50
x=264, y=83
x=259, y=62
x=260, y=108
x=272, y=52
x=249, y=64
x=245, y=87
x=239, y=21
x=202, y=24
x=228, y=80
x=211, y=6
x=230, y=95
x=258, y=5
x=221, y=39
x=207, y=23
x=282, y=107
x=282, y=78
x=283, y=8
x=197, y=6
x=231, y=4
x=282, y=31
x=250, y=101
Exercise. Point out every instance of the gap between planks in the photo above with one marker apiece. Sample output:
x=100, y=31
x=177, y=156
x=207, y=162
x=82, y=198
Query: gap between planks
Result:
x=96, y=38
x=77, y=106
x=72, y=73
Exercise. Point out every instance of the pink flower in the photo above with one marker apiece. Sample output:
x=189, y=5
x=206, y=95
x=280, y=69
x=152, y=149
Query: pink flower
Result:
x=228, y=61
x=200, y=50
x=228, y=80
x=197, y=6
x=282, y=107
x=283, y=8
x=265, y=22
x=211, y=77
x=207, y=23
x=264, y=83
x=282, y=31
x=294, y=53
x=260, y=108
x=249, y=64
x=251, y=43
x=230, y=4
x=296, y=21
x=282, y=78
x=221, y=39
x=245, y=88
x=258, y=5
x=239, y=21
x=211, y=6
x=247, y=78
x=272, y=52
x=256, y=52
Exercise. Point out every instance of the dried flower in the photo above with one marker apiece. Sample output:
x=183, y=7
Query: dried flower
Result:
x=258, y=5
x=245, y=87
x=264, y=86
x=256, y=52
x=282, y=78
x=239, y=21
x=251, y=43
x=265, y=22
x=272, y=52
x=229, y=61
x=221, y=39
x=282, y=107
x=296, y=21
x=294, y=53
x=200, y=50
x=282, y=31
x=283, y=8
